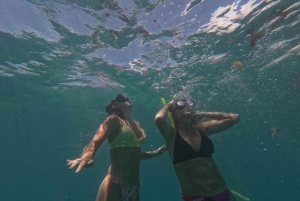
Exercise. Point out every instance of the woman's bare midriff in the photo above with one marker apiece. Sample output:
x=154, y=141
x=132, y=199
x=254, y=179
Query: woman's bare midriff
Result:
x=200, y=176
x=125, y=164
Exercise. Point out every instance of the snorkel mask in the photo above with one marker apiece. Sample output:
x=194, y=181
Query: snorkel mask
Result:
x=179, y=104
x=120, y=98
x=111, y=110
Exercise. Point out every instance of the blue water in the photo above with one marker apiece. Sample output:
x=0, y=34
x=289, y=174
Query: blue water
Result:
x=62, y=61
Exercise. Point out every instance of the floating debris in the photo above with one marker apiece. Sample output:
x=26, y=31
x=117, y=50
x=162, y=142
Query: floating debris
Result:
x=237, y=64
x=137, y=62
x=275, y=132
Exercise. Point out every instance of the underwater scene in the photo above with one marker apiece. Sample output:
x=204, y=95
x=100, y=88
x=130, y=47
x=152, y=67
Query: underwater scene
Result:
x=62, y=61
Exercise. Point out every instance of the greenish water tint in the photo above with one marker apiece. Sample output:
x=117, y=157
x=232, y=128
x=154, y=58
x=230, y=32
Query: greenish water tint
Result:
x=62, y=61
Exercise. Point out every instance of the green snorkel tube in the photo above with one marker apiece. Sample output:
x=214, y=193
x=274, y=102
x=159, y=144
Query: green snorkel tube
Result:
x=169, y=113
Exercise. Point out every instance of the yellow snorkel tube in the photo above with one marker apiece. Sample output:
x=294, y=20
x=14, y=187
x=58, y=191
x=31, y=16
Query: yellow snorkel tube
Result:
x=169, y=113
x=240, y=195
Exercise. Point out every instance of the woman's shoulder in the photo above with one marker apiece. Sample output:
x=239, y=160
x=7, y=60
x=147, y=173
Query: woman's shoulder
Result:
x=114, y=119
x=136, y=122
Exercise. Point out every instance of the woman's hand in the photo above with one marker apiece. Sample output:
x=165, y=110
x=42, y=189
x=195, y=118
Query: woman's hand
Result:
x=170, y=106
x=84, y=161
x=160, y=151
x=200, y=115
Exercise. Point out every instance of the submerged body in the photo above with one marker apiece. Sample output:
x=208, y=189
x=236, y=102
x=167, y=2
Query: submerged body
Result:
x=206, y=180
x=123, y=172
x=125, y=146
x=125, y=138
x=191, y=151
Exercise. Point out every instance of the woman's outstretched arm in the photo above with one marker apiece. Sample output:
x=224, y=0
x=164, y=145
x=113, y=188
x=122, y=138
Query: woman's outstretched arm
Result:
x=86, y=157
x=151, y=154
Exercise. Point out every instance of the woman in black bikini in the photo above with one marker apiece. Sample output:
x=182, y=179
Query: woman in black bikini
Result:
x=191, y=150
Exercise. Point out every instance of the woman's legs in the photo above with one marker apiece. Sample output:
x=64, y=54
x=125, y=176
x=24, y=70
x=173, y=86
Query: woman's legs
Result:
x=108, y=191
x=224, y=196
x=114, y=189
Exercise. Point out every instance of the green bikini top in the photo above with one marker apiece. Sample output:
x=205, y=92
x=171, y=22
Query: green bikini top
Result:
x=127, y=138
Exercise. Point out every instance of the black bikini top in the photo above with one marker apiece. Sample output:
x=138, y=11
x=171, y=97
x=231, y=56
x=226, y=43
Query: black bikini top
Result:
x=183, y=151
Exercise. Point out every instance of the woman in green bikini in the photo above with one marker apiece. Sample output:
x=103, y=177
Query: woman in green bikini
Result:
x=125, y=138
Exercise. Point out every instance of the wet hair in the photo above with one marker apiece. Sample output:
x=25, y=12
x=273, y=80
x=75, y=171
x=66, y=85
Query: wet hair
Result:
x=116, y=111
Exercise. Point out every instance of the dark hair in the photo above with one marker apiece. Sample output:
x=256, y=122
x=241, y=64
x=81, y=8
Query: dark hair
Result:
x=116, y=111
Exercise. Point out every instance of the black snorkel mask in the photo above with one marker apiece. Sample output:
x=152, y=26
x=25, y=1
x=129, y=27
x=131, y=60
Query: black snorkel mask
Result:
x=120, y=98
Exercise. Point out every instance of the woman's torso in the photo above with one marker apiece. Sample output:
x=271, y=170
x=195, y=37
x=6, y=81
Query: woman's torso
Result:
x=199, y=175
x=125, y=161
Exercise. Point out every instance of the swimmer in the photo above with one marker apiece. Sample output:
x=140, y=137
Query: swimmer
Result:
x=191, y=150
x=125, y=138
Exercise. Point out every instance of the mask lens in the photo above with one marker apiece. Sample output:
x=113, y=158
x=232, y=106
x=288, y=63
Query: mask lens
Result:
x=180, y=103
x=190, y=103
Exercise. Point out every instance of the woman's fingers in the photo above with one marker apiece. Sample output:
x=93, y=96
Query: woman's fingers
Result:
x=68, y=162
x=73, y=163
x=80, y=163
x=90, y=162
x=162, y=148
x=80, y=166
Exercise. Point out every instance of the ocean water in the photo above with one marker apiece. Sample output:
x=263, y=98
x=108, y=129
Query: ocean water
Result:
x=62, y=61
